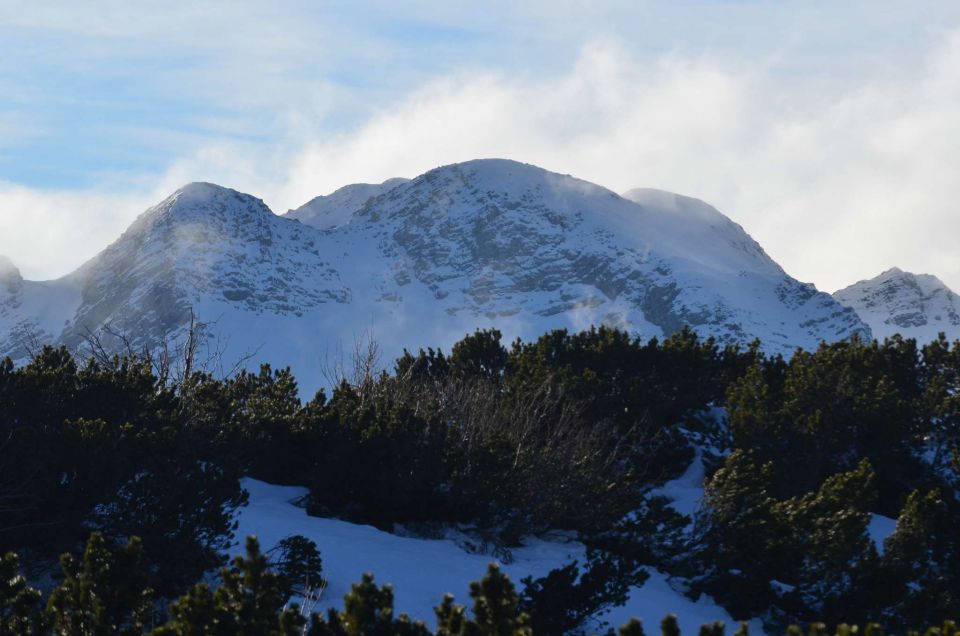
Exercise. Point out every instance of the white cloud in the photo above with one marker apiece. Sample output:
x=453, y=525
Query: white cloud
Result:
x=837, y=180
x=47, y=234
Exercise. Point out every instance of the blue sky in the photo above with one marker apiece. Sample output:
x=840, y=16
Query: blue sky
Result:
x=825, y=128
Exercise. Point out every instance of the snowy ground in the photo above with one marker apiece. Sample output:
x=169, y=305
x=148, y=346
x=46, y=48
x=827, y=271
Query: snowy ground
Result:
x=686, y=491
x=422, y=570
x=880, y=528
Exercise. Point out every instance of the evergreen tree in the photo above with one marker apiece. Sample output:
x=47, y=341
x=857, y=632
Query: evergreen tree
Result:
x=566, y=597
x=183, y=509
x=248, y=602
x=633, y=627
x=479, y=355
x=741, y=542
x=669, y=626
x=104, y=594
x=21, y=611
x=367, y=611
x=823, y=411
x=495, y=610
x=922, y=558
x=297, y=562
x=834, y=559
x=715, y=628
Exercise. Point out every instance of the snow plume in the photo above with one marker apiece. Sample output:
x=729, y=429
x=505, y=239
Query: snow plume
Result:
x=49, y=233
x=837, y=180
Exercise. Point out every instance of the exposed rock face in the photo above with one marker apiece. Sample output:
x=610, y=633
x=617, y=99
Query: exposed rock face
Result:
x=495, y=238
x=204, y=244
x=916, y=306
x=421, y=263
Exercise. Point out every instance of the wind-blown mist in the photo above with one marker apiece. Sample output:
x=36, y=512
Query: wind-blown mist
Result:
x=838, y=181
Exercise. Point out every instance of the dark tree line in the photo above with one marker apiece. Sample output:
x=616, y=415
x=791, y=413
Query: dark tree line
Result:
x=571, y=432
x=105, y=592
x=819, y=443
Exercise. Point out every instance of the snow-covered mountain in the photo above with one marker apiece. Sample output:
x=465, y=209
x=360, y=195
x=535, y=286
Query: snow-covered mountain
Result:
x=916, y=306
x=32, y=313
x=331, y=210
x=422, y=262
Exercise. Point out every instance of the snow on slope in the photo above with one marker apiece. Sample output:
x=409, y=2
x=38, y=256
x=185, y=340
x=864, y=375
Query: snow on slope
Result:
x=686, y=491
x=32, y=313
x=423, y=570
x=329, y=211
x=220, y=254
x=505, y=243
x=487, y=243
x=880, y=528
x=916, y=306
x=704, y=226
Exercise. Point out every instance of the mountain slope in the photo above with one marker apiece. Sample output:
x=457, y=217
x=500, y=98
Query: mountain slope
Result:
x=32, y=313
x=205, y=245
x=331, y=210
x=220, y=256
x=914, y=305
x=495, y=241
x=487, y=243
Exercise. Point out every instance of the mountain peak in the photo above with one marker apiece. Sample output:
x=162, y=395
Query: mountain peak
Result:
x=201, y=204
x=926, y=282
x=899, y=302
x=508, y=175
x=200, y=187
x=334, y=209
x=199, y=221
x=203, y=196
x=483, y=243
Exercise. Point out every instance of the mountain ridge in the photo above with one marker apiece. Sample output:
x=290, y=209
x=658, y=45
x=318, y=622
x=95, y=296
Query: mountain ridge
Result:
x=327, y=211
x=916, y=306
x=421, y=262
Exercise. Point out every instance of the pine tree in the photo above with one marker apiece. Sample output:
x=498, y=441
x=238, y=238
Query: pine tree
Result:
x=104, y=594
x=21, y=611
x=715, y=628
x=182, y=509
x=922, y=558
x=194, y=614
x=833, y=556
x=495, y=610
x=823, y=411
x=248, y=602
x=633, y=627
x=741, y=541
x=479, y=354
x=367, y=611
x=297, y=562
x=669, y=626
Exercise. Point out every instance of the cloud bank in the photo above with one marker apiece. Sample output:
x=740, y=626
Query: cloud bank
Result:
x=838, y=180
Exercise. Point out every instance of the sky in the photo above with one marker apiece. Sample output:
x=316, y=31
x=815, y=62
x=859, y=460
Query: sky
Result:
x=830, y=131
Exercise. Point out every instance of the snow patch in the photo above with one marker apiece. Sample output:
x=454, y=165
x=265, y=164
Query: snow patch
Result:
x=423, y=570
x=686, y=491
x=879, y=528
